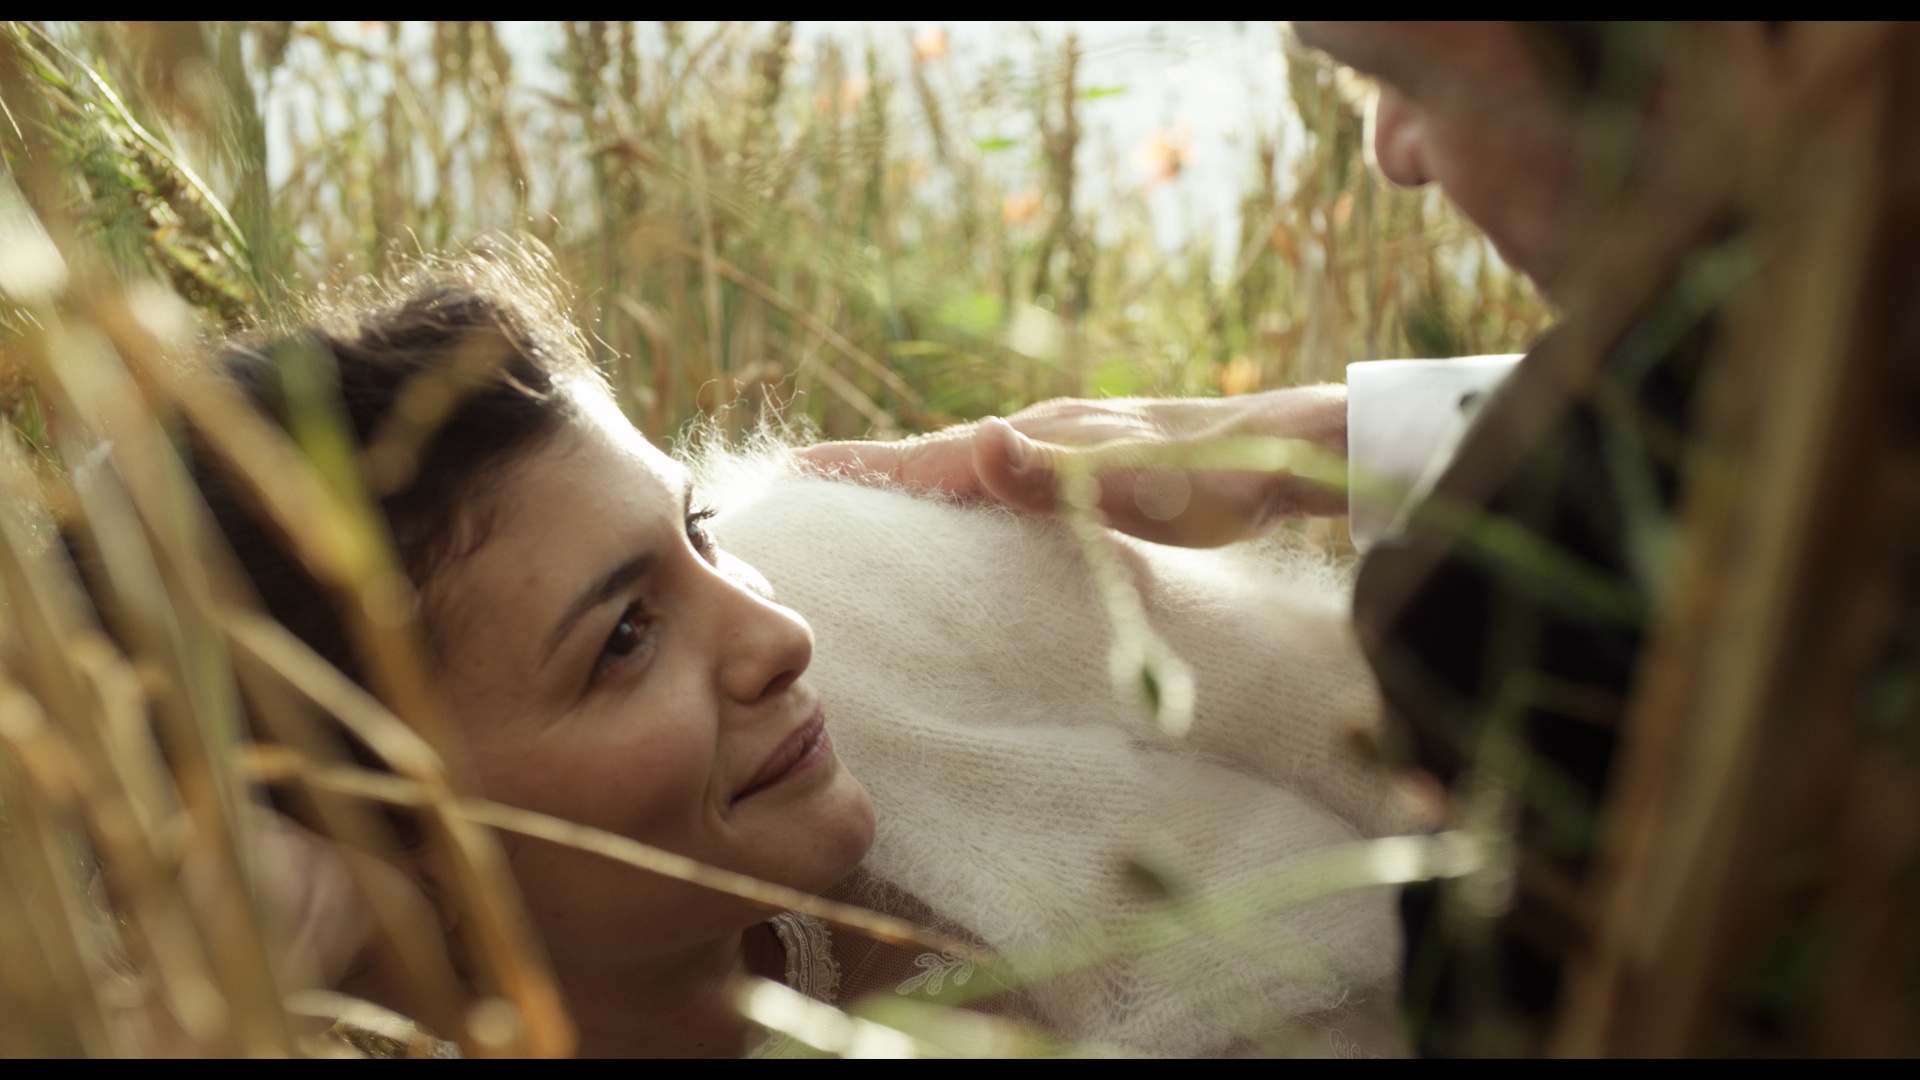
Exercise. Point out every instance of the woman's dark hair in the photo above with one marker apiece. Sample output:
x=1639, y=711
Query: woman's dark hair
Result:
x=442, y=377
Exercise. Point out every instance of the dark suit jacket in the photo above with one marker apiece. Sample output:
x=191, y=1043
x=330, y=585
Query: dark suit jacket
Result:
x=1505, y=623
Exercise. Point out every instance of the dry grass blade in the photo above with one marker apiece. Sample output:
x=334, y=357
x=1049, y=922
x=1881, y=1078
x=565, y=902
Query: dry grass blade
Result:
x=821, y=1027
x=37, y=776
x=1234, y=912
x=421, y=407
x=773, y=898
x=277, y=765
x=1142, y=666
x=49, y=612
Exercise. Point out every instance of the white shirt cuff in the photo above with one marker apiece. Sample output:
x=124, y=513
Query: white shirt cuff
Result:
x=1404, y=418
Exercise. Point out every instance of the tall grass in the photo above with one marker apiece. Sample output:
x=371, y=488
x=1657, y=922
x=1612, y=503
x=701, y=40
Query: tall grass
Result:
x=839, y=233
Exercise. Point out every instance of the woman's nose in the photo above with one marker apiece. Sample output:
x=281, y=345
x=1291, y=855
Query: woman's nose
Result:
x=764, y=646
x=1399, y=139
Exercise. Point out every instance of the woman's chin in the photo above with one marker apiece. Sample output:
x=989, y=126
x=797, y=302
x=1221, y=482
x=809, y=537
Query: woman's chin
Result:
x=845, y=842
x=866, y=822
x=832, y=837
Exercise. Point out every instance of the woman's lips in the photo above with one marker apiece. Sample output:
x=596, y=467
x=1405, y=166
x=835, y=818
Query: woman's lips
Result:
x=797, y=754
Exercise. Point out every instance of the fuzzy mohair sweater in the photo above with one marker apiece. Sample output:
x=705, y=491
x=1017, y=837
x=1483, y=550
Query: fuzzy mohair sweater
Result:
x=962, y=658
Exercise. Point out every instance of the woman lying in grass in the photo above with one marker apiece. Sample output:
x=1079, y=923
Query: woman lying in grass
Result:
x=608, y=662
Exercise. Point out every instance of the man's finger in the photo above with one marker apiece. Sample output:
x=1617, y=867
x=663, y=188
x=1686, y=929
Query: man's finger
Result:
x=1014, y=469
x=1166, y=506
x=939, y=462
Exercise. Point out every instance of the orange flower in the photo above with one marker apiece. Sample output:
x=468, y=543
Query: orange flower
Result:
x=909, y=172
x=1285, y=244
x=1164, y=154
x=1018, y=209
x=929, y=45
x=1343, y=210
x=853, y=89
x=1239, y=375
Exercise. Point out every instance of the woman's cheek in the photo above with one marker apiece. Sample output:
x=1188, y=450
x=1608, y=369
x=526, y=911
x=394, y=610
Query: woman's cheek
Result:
x=650, y=773
x=636, y=765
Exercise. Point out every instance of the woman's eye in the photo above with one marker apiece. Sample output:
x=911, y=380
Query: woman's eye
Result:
x=699, y=535
x=628, y=635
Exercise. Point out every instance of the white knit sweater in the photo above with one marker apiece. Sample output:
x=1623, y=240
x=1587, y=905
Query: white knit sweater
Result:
x=962, y=659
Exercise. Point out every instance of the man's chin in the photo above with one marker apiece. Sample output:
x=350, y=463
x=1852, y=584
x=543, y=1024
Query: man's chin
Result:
x=1530, y=263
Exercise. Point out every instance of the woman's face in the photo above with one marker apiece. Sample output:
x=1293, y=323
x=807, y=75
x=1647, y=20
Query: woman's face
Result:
x=609, y=665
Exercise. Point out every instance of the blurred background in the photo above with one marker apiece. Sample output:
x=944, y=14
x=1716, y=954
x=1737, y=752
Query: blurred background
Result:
x=878, y=227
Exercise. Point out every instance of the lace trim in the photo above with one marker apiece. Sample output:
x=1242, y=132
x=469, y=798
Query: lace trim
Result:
x=935, y=971
x=811, y=968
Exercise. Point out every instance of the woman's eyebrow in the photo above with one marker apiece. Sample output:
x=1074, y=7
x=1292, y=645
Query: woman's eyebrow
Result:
x=603, y=589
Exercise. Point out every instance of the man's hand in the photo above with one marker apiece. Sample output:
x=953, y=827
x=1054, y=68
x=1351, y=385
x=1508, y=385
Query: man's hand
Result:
x=1014, y=461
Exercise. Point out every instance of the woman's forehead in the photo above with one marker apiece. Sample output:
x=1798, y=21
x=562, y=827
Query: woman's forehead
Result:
x=597, y=416
x=602, y=466
x=588, y=499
